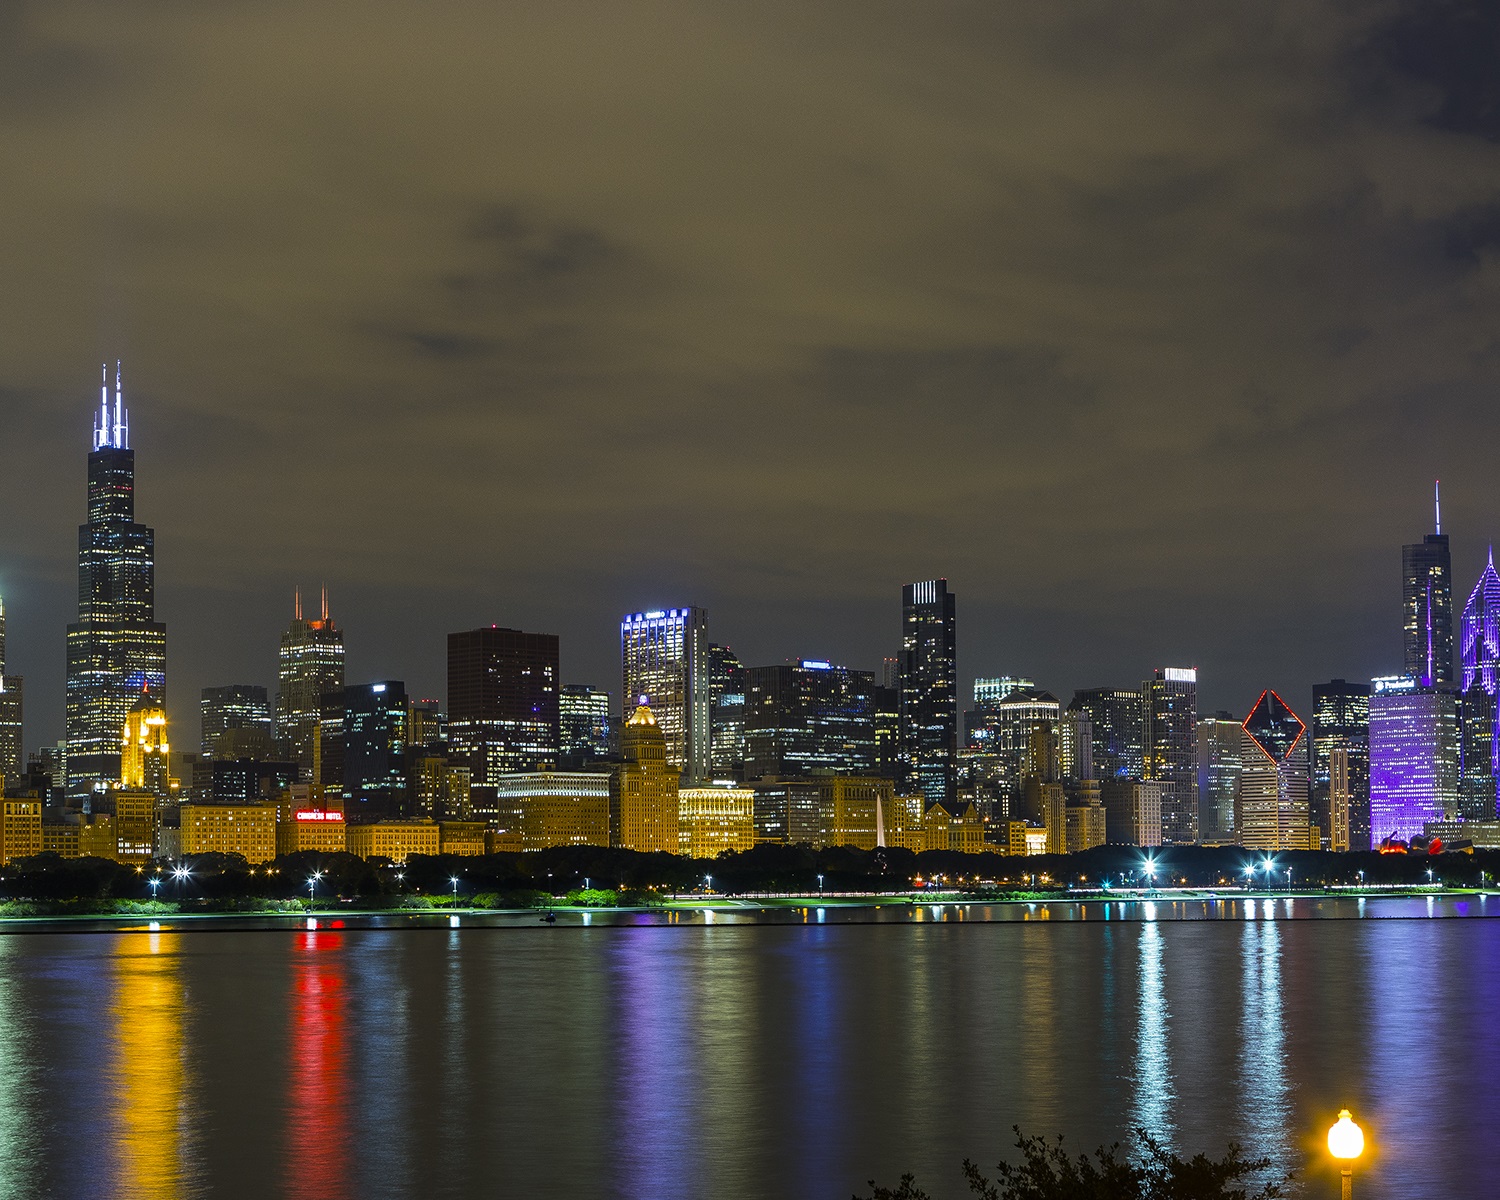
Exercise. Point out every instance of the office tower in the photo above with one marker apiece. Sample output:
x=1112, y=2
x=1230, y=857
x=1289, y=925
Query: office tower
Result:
x=248, y=781
x=117, y=649
x=887, y=719
x=979, y=723
x=1271, y=809
x=1413, y=757
x=808, y=717
x=10, y=713
x=144, y=750
x=714, y=819
x=1169, y=703
x=503, y=701
x=586, y=725
x=426, y=725
x=1132, y=811
x=1338, y=798
x=1341, y=719
x=1427, y=608
x=929, y=690
x=664, y=654
x=726, y=686
x=1075, y=745
x=989, y=692
x=643, y=790
x=1006, y=730
x=242, y=707
x=374, y=728
x=1218, y=777
x=436, y=786
x=1118, y=725
x=1479, y=677
x=311, y=667
x=554, y=808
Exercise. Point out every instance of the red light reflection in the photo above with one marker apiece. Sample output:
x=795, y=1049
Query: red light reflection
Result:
x=317, y=1136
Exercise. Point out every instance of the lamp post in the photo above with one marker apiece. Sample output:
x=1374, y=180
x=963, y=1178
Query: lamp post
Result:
x=820, y=885
x=453, y=879
x=312, y=883
x=154, y=884
x=1346, y=1142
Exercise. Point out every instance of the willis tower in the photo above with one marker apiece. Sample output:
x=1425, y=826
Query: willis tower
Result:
x=117, y=650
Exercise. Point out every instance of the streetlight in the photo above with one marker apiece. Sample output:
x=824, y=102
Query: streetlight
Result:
x=820, y=885
x=181, y=874
x=312, y=883
x=154, y=884
x=708, y=883
x=453, y=879
x=1346, y=1142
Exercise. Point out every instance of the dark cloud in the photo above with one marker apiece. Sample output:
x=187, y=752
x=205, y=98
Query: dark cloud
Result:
x=1148, y=329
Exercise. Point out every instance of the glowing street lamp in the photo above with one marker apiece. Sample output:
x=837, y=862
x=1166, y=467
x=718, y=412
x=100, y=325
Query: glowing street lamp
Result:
x=1346, y=1142
x=153, y=884
x=453, y=879
x=312, y=883
x=820, y=885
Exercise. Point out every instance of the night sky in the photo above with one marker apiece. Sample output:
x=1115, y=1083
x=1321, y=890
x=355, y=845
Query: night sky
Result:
x=1149, y=330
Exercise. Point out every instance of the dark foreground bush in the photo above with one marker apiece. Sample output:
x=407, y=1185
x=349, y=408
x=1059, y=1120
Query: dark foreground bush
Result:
x=1045, y=1172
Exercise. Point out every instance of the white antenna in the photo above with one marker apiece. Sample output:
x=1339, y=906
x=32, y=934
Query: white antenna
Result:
x=1437, y=504
x=122, y=418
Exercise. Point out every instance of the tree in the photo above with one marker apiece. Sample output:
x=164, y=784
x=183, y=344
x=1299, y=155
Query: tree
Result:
x=1046, y=1172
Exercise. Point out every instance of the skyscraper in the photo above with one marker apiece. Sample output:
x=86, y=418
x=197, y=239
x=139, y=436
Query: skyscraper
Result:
x=311, y=667
x=145, y=752
x=1170, y=705
x=117, y=649
x=929, y=690
x=503, y=713
x=1271, y=809
x=1479, y=737
x=374, y=732
x=1413, y=757
x=808, y=717
x=664, y=654
x=241, y=707
x=11, y=757
x=726, y=685
x=1218, y=776
x=643, y=789
x=1341, y=720
x=586, y=725
x=1427, y=608
x=1119, y=730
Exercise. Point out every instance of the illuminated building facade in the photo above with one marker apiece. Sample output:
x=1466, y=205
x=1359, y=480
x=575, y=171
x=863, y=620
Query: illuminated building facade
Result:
x=245, y=829
x=20, y=828
x=1117, y=719
x=887, y=719
x=395, y=841
x=242, y=708
x=557, y=808
x=1218, y=777
x=715, y=818
x=928, y=687
x=373, y=733
x=953, y=826
x=1271, y=812
x=11, y=692
x=586, y=724
x=439, y=787
x=808, y=717
x=464, y=839
x=1339, y=799
x=1132, y=811
x=137, y=825
x=1414, y=755
x=726, y=687
x=305, y=826
x=311, y=666
x=145, y=763
x=665, y=658
x=1427, y=608
x=503, y=701
x=116, y=649
x=1170, y=707
x=1340, y=721
x=643, y=789
x=1479, y=679
x=851, y=810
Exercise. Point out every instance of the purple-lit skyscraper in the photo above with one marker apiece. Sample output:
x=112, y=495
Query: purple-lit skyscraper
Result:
x=1427, y=608
x=1479, y=739
x=1413, y=757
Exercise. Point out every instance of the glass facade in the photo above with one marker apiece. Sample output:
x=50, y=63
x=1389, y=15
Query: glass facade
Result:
x=1341, y=720
x=1119, y=730
x=503, y=701
x=664, y=654
x=234, y=706
x=374, y=732
x=1170, y=744
x=929, y=690
x=1413, y=757
x=807, y=718
x=11, y=756
x=1271, y=811
x=586, y=725
x=117, y=650
x=1218, y=777
x=1427, y=610
x=310, y=667
x=727, y=717
x=1479, y=734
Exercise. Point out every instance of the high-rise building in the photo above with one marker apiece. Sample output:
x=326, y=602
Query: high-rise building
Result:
x=808, y=717
x=1340, y=720
x=116, y=649
x=311, y=667
x=727, y=712
x=714, y=819
x=979, y=721
x=376, y=717
x=1479, y=679
x=887, y=702
x=1170, y=707
x=236, y=706
x=1271, y=812
x=990, y=691
x=1427, y=608
x=643, y=790
x=1338, y=799
x=929, y=690
x=586, y=725
x=1218, y=777
x=665, y=658
x=145, y=752
x=1006, y=730
x=1118, y=722
x=11, y=731
x=1132, y=811
x=1413, y=757
x=503, y=696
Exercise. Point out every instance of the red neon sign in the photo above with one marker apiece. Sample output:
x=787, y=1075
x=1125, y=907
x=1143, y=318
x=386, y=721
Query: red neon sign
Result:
x=318, y=814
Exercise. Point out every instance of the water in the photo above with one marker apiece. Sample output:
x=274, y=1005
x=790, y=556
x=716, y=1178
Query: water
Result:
x=725, y=1058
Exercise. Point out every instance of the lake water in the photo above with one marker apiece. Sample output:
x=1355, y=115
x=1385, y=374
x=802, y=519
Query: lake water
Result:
x=697, y=1057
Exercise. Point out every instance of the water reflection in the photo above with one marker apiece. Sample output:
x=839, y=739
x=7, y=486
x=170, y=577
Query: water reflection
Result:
x=17, y=1156
x=149, y=1078
x=1263, y=1083
x=318, y=1115
x=1153, y=1092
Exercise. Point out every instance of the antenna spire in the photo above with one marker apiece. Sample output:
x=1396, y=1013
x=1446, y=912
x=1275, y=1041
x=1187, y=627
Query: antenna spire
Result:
x=325, y=602
x=1437, y=504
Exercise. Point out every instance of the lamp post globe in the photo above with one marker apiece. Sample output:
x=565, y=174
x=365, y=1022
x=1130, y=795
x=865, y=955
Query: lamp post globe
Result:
x=1346, y=1142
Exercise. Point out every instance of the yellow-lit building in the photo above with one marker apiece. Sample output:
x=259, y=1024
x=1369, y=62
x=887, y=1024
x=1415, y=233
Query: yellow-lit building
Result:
x=643, y=799
x=903, y=823
x=711, y=820
x=393, y=840
x=137, y=821
x=61, y=838
x=553, y=808
x=440, y=788
x=954, y=826
x=464, y=838
x=145, y=755
x=97, y=838
x=245, y=829
x=503, y=841
x=850, y=808
x=1086, y=824
x=304, y=828
x=20, y=828
x=1009, y=836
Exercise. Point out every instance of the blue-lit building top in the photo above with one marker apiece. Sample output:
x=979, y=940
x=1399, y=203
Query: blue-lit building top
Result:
x=664, y=657
x=1414, y=757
